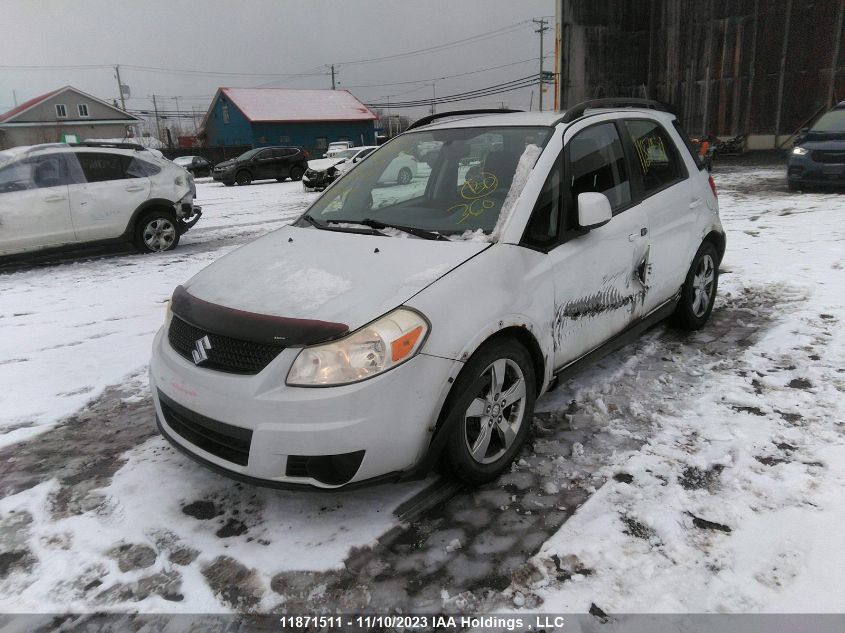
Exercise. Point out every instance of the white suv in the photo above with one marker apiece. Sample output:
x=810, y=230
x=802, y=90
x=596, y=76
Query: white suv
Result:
x=333, y=351
x=59, y=196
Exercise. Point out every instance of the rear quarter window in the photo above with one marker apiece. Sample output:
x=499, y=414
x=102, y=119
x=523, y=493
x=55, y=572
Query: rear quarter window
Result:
x=688, y=144
x=655, y=154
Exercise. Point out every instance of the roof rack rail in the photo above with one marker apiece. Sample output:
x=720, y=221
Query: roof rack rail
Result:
x=107, y=144
x=442, y=115
x=577, y=111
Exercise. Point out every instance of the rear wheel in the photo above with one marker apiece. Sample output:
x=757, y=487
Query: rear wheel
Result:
x=405, y=176
x=491, y=411
x=243, y=178
x=156, y=231
x=296, y=173
x=699, y=290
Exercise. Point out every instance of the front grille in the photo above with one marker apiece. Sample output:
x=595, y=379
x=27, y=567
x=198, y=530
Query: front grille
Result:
x=822, y=156
x=218, y=438
x=231, y=355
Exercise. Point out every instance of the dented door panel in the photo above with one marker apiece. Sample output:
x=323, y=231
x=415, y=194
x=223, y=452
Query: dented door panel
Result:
x=598, y=289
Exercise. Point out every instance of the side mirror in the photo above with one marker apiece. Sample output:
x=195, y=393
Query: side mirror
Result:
x=355, y=160
x=593, y=210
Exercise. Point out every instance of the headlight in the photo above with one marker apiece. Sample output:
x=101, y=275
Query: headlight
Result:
x=168, y=313
x=375, y=348
x=800, y=151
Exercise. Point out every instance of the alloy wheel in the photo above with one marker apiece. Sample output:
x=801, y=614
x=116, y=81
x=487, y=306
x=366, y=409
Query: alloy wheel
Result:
x=494, y=417
x=159, y=234
x=702, y=285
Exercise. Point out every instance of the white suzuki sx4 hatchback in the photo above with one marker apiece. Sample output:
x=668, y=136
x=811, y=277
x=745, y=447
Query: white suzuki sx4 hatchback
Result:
x=399, y=325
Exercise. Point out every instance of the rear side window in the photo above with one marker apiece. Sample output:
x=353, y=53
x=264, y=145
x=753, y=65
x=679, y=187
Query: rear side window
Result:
x=138, y=168
x=102, y=167
x=597, y=164
x=656, y=155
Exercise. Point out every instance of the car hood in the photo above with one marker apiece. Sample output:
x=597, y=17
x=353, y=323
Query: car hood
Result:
x=224, y=164
x=306, y=285
x=830, y=145
x=322, y=164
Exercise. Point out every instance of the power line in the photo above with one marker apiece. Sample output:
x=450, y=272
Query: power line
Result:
x=472, y=39
x=516, y=84
x=470, y=72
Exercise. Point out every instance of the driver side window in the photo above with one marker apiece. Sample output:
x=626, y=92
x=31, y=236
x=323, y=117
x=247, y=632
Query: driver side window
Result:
x=596, y=163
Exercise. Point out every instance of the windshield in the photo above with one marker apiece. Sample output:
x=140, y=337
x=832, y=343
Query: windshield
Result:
x=347, y=153
x=831, y=123
x=249, y=154
x=183, y=160
x=450, y=181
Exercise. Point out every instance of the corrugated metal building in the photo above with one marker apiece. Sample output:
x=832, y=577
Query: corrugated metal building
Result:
x=758, y=67
x=310, y=119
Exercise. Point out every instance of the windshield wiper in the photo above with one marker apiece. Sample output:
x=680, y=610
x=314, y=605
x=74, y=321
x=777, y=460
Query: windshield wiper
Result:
x=410, y=230
x=325, y=227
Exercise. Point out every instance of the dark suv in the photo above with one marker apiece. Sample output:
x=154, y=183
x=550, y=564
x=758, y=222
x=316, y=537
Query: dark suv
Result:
x=818, y=157
x=263, y=163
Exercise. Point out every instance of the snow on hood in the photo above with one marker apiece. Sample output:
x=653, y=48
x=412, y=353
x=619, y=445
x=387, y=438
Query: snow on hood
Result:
x=322, y=164
x=331, y=276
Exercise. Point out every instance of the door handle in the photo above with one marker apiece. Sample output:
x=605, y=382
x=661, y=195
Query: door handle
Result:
x=54, y=198
x=696, y=202
x=643, y=232
x=133, y=188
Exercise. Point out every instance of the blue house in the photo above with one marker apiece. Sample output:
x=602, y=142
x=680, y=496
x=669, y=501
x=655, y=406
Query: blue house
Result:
x=311, y=119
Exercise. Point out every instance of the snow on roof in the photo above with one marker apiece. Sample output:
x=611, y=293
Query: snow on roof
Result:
x=26, y=105
x=281, y=104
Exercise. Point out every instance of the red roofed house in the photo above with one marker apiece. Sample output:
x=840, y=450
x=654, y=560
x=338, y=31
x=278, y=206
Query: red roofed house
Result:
x=63, y=114
x=311, y=119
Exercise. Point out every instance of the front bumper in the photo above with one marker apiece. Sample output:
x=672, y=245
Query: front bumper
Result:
x=256, y=428
x=227, y=175
x=803, y=170
x=317, y=180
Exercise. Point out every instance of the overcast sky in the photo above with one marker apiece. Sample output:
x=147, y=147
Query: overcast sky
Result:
x=259, y=40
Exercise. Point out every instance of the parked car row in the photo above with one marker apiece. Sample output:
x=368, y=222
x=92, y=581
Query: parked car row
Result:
x=59, y=196
x=323, y=172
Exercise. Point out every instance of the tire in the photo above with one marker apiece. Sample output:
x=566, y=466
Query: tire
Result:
x=405, y=176
x=156, y=231
x=699, y=291
x=296, y=173
x=480, y=446
x=243, y=178
x=229, y=184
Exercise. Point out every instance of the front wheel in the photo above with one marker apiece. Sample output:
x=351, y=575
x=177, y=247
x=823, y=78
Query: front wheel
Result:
x=156, y=232
x=699, y=290
x=491, y=411
x=243, y=178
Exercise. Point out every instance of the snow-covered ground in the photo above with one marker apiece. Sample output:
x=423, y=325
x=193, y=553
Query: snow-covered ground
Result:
x=714, y=461
x=735, y=501
x=72, y=329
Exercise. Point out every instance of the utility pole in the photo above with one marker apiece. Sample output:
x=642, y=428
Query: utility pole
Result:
x=433, y=97
x=542, y=22
x=158, y=127
x=333, y=83
x=119, y=86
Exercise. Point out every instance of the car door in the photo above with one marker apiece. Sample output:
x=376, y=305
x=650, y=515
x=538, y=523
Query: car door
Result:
x=284, y=160
x=264, y=165
x=670, y=204
x=103, y=203
x=34, y=207
x=598, y=289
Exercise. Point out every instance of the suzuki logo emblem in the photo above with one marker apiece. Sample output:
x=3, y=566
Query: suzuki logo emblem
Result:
x=201, y=347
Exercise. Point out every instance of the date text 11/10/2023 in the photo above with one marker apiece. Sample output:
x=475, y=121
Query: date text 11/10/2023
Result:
x=422, y=622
